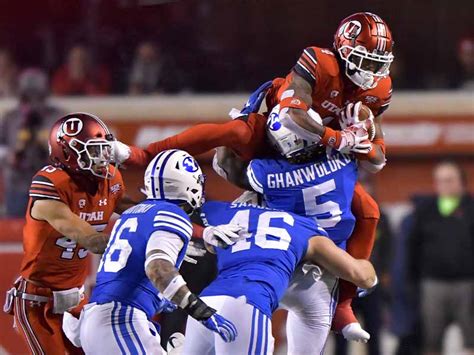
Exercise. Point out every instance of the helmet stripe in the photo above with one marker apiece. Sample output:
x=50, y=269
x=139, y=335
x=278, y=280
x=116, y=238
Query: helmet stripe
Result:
x=162, y=169
x=152, y=175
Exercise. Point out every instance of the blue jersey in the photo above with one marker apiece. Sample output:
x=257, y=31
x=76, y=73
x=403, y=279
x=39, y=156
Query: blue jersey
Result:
x=121, y=275
x=322, y=190
x=260, y=266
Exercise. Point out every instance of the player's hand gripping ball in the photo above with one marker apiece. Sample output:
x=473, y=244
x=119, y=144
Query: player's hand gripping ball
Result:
x=358, y=115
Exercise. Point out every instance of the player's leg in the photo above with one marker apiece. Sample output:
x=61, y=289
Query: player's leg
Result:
x=253, y=327
x=41, y=329
x=113, y=328
x=310, y=299
x=360, y=246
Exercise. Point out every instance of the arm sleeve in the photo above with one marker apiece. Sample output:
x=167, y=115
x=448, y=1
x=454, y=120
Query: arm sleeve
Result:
x=169, y=244
x=306, y=66
x=236, y=135
x=254, y=177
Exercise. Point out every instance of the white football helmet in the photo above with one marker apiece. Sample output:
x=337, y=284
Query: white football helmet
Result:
x=175, y=175
x=286, y=141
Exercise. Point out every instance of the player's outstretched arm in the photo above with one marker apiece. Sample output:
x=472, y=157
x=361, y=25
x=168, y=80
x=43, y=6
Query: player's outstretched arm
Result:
x=61, y=218
x=229, y=166
x=324, y=252
x=295, y=101
x=163, y=249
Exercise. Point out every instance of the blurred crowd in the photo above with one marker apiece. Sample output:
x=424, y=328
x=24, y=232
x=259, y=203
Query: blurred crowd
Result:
x=151, y=70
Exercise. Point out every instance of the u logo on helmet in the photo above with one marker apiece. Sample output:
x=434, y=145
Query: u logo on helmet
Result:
x=72, y=127
x=351, y=29
x=190, y=164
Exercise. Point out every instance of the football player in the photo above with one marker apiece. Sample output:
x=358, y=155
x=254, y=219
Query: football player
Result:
x=331, y=82
x=253, y=273
x=70, y=204
x=146, y=248
x=310, y=182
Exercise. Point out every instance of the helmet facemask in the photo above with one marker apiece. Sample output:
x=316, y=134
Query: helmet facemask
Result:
x=94, y=156
x=365, y=69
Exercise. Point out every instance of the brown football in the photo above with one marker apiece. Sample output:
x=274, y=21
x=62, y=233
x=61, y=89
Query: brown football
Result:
x=365, y=113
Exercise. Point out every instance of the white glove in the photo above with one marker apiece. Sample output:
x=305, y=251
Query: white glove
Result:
x=354, y=332
x=120, y=152
x=192, y=251
x=222, y=236
x=350, y=117
x=354, y=139
x=71, y=327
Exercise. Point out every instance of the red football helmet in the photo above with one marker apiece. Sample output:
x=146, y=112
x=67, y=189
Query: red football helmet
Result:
x=364, y=42
x=81, y=142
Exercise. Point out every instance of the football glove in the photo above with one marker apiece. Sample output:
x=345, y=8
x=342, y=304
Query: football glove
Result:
x=222, y=236
x=120, y=152
x=175, y=344
x=200, y=311
x=253, y=103
x=166, y=306
x=354, y=332
x=221, y=326
x=350, y=116
x=354, y=138
x=194, y=249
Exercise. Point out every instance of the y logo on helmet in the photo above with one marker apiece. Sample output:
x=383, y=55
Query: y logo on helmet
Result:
x=351, y=29
x=190, y=164
x=72, y=127
x=274, y=122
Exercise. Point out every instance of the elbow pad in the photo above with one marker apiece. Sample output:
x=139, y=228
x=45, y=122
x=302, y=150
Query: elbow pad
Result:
x=288, y=122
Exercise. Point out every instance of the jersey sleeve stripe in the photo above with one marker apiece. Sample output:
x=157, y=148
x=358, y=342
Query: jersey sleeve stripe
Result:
x=42, y=183
x=310, y=55
x=173, y=227
x=42, y=179
x=305, y=62
x=256, y=185
x=45, y=196
x=175, y=221
x=44, y=192
x=43, y=188
x=306, y=70
x=175, y=215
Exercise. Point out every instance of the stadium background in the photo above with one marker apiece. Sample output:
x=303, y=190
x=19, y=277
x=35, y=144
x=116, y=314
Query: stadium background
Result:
x=218, y=52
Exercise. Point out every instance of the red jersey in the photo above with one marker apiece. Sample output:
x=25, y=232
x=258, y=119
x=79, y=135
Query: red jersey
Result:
x=54, y=260
x=332, y=90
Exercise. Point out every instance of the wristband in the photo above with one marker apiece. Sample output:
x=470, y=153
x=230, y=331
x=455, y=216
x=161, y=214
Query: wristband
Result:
x=197, y=309
x=175, y=284
x=381, y=143
x=293, y=102
x=331, y=138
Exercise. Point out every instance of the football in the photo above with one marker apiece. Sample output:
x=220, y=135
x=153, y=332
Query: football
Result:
x=365, y=113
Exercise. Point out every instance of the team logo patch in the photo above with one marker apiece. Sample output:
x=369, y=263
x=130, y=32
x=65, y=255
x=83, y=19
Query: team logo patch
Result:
x=371, y=99
x=190, y=165
x=72, y=127
x=274, y=123
x=351, y=29
x=334, y=93
x=82, y=203
x=115, y=188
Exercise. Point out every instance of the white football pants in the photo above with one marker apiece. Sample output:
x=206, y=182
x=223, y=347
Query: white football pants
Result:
x=254, y=330
x=311, y=300
x=113, y=328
